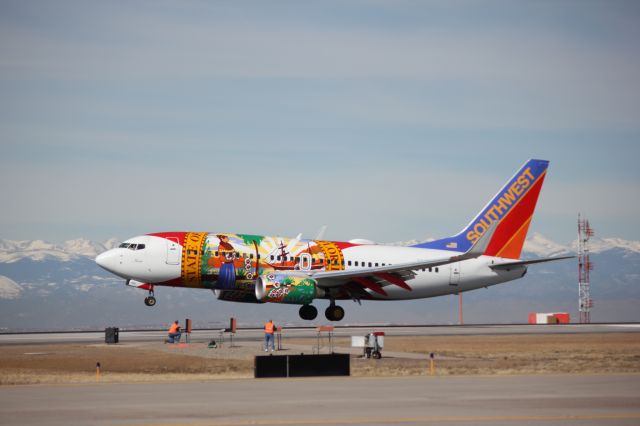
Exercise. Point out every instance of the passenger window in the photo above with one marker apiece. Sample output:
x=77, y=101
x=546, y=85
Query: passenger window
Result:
x=349, y=263
x=376, y=264
x=356, y=263
x=369, y=264
x=436, y=269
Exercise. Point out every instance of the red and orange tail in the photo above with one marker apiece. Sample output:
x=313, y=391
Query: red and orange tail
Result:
x=513, y=206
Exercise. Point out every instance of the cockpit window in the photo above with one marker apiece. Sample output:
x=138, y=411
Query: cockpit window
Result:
x=131, y=246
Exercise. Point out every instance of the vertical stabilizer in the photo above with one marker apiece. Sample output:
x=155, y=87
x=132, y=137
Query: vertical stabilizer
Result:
x=513, y=207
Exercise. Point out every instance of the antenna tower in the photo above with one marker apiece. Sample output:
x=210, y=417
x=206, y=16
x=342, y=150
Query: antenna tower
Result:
x=584, y=268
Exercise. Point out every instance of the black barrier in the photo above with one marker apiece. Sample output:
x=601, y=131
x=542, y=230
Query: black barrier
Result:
x=271, y=366
x=302, y=365
x=111, y=334
x=319, y=365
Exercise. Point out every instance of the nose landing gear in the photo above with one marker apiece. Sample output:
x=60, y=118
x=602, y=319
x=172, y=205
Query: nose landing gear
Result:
x=150, y=300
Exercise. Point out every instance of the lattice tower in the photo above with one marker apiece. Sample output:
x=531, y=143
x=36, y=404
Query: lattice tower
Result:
x=585, y=266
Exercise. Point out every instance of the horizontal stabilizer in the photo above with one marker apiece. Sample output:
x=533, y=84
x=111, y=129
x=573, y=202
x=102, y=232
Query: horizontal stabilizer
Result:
x=528, y=262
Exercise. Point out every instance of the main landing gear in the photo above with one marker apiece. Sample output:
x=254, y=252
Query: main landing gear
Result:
x=308, y=312
x=150, y=300
x=333, y=312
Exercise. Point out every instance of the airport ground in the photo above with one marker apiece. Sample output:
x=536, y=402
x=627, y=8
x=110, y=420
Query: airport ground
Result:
x=483, y=375
x=490, y=350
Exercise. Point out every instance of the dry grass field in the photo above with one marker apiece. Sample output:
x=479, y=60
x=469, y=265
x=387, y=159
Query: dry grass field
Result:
x=454, y=355
x=517, y=354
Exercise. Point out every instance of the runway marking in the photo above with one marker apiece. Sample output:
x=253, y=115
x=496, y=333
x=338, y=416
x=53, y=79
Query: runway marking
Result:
x=396, y=420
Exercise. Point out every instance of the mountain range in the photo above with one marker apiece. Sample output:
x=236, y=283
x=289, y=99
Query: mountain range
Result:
x=46, y=286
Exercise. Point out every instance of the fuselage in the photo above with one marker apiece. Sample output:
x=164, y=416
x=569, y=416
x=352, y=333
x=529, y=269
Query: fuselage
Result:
x=233, y=262
x=259, y=269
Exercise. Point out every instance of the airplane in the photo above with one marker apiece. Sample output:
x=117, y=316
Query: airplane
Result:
x=266, y=269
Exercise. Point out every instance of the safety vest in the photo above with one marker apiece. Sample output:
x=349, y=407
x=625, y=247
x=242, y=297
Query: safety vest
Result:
x=268, y=328
x=174, y=328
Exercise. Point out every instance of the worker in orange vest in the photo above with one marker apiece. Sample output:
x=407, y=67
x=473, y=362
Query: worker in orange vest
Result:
x=174, y=332
x=269, y=329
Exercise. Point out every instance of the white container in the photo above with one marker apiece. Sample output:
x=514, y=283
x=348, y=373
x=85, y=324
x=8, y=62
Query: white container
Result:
x=358, y=341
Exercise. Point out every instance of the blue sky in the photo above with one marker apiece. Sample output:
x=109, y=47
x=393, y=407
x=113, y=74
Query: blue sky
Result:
x=387, y=120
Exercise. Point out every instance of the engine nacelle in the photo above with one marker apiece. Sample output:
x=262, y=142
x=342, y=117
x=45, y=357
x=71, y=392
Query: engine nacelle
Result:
x=236, y=296
x=284, y=288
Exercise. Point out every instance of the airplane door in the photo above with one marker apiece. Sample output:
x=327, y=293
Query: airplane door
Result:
x=173, y=251
x=306, y=261
x=454, y=276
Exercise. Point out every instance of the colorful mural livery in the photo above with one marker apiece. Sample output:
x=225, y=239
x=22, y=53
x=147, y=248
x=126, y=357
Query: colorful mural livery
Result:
x=234, y=261
x=263, y=269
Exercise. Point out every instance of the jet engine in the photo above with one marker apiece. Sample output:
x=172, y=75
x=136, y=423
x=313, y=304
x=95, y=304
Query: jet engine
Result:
x=236, y=296
x=285, y=288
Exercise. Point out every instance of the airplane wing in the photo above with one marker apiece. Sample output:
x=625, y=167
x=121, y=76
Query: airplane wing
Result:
x=395, y=273
x=509, y=265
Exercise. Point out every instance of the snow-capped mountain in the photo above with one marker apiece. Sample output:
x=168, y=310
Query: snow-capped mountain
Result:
x=38, y=250
x=46, y=286
x=541, y=246
x=599, y=245
x=9, y=289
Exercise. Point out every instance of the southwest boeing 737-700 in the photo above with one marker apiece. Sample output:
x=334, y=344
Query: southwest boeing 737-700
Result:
x=262, y=269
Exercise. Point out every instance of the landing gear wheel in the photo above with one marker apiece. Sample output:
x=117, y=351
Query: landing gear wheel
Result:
x=334, y=313
x=150, y=301
x=308, y=312
x=376, y=355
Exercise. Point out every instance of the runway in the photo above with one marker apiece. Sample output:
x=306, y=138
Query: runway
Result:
x=293, y=333
x=545, y=399
x=490, y=400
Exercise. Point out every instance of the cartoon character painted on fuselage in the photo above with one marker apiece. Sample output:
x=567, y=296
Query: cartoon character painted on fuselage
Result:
x=227, y=277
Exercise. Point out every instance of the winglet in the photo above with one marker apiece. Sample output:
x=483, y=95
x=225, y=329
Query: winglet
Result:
x=320, y=233
x=481, y=245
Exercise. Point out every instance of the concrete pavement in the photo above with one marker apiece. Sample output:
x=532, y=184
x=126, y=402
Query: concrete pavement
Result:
x=490, y=400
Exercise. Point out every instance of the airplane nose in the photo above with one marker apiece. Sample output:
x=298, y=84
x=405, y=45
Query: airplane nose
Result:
x=107, y=260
